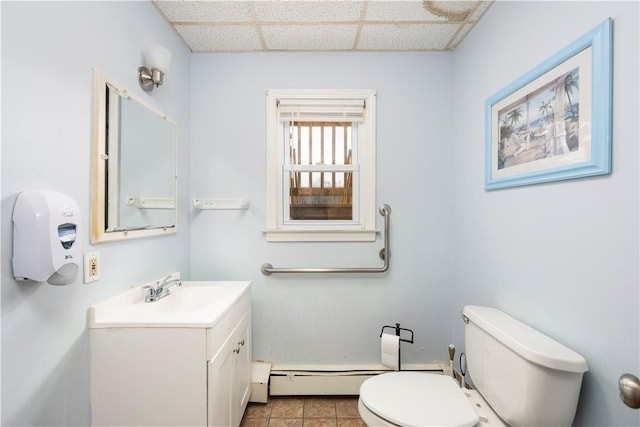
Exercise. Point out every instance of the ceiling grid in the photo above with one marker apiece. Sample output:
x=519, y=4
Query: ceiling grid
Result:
x=217, y=26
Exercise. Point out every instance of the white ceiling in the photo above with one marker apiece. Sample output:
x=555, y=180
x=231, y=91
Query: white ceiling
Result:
x=321, y=25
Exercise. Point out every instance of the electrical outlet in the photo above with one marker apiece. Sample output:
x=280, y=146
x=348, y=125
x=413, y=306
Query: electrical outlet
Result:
x=91, y=267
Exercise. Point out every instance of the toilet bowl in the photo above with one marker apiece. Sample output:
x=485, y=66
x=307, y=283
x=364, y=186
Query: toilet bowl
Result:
x=521, y=377
x=422, y=399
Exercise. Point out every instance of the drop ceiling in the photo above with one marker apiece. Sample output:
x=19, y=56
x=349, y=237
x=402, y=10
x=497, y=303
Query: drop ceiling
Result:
x=210, y=26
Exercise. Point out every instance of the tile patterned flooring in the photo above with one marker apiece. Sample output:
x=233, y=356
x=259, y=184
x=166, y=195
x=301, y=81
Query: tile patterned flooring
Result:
x=305, y=411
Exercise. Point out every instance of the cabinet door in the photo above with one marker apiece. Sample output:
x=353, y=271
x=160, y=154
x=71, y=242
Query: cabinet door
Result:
x=220, y=376
x=230, y=378
x=242, y=369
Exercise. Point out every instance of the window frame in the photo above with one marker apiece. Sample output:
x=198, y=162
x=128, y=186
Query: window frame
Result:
x=363, y=226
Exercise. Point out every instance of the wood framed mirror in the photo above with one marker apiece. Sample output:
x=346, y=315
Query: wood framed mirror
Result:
x=134, y=166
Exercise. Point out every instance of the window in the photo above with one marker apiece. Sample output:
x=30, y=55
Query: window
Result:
x=319, y=171
x=320, y=165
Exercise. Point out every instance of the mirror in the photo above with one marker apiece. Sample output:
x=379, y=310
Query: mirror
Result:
x=134, y=166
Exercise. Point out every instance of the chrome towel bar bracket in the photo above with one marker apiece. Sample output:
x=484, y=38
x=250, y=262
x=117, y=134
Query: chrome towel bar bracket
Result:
x=268, y=269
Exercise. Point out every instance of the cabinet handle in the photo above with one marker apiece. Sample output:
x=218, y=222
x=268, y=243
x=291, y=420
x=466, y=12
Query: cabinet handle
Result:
x=241, y=342
x=236, y=350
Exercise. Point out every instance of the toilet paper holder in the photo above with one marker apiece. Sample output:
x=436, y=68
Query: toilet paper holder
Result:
x=398, y=330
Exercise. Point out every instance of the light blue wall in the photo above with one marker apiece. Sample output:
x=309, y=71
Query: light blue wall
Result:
x=48, y=52
x=562, y=257
x=329, y=320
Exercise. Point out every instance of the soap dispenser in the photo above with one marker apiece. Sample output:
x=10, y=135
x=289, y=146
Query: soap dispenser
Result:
x=46, y=228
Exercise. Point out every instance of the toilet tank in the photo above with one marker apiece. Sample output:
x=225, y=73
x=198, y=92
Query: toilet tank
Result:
x=528, y=378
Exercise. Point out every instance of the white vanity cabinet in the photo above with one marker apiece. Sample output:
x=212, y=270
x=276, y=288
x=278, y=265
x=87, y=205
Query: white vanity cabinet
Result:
x=172, y=372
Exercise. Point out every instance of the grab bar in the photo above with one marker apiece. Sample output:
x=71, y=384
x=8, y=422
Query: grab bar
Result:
x=268, y=269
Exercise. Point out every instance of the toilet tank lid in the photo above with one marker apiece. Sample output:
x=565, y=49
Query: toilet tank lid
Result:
x=529, y=343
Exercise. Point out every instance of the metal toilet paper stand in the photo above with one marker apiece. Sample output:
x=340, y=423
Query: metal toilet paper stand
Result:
x=397, y=330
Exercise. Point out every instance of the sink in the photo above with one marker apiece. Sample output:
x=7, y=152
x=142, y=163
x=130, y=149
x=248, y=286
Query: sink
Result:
x=194, y=304
x=186, y=298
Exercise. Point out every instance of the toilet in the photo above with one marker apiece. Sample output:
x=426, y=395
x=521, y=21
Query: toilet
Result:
x=521, y=377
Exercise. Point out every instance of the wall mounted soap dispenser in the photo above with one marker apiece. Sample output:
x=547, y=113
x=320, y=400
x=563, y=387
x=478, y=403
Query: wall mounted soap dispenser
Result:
x=46, y=228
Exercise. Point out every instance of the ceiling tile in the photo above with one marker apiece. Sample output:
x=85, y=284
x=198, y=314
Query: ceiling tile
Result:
x=309, y=37
x=205, y=11
x=399, y=11
x=451, y=10
x=308, y=11
x=412, y=10
x=220, y=38
x=406, y=37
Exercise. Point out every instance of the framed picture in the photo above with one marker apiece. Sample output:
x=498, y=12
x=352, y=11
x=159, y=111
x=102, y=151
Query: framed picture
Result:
x=554, y=122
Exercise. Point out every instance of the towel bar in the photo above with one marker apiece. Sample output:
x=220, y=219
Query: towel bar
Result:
x=268, y=269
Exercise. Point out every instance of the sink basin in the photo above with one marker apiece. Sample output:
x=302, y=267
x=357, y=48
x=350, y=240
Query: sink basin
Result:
x=183, y=299
x=194, y=304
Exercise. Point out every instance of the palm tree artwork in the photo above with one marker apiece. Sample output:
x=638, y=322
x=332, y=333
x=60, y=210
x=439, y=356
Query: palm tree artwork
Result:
x=546, y=108
x=551, y=127
x=571, y=83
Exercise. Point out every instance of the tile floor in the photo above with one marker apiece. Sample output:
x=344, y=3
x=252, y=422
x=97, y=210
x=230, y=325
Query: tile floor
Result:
x=285, y=411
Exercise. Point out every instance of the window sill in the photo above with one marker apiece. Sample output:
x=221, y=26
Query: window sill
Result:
x=290, y=235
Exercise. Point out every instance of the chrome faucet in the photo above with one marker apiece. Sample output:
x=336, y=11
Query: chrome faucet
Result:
x=161, y=289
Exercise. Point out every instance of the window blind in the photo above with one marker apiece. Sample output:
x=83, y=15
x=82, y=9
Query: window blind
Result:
x=329, y=110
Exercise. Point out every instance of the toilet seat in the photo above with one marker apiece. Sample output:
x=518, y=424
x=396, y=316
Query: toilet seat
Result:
x=417, y=399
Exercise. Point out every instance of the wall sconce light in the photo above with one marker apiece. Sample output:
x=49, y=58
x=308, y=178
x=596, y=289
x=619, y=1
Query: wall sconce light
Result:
x=157, y=60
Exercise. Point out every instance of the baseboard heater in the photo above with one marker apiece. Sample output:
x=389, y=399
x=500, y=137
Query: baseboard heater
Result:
x=318, y=380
